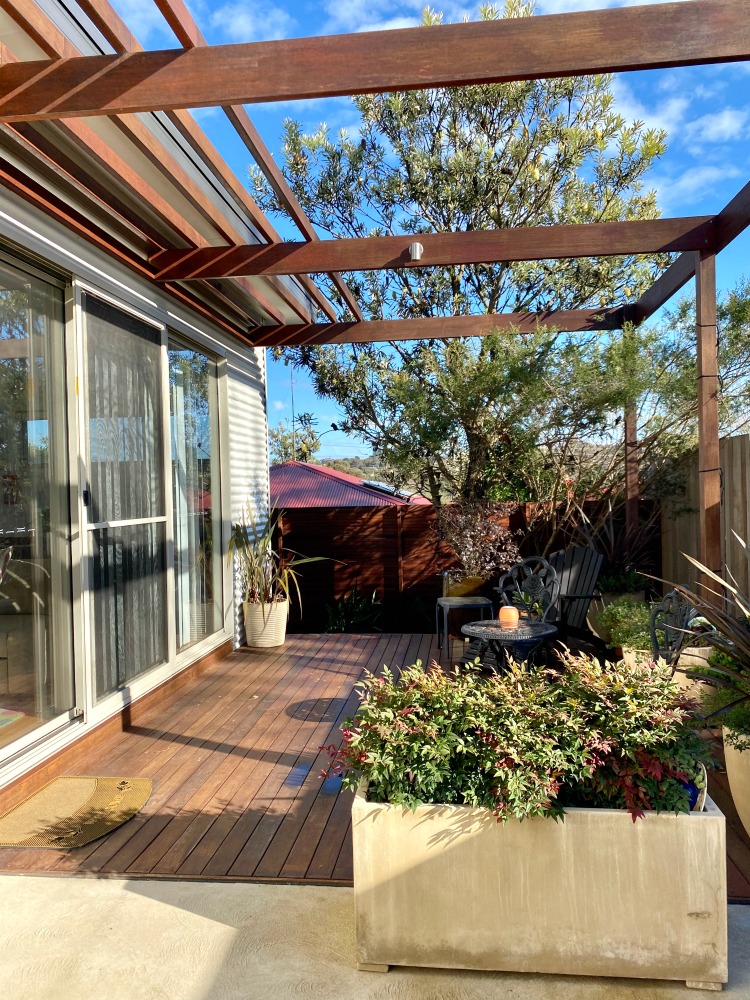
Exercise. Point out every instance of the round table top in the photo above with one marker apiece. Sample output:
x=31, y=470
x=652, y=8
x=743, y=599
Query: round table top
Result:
x=525, y=631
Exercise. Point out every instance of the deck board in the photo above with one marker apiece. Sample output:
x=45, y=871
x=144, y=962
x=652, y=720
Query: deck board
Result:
x=236, y=761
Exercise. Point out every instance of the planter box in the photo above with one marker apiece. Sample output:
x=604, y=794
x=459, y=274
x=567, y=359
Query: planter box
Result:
x=596, y=895
x=738, y=775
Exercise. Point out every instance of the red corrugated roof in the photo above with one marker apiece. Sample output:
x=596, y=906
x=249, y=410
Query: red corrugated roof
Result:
x=301, y=484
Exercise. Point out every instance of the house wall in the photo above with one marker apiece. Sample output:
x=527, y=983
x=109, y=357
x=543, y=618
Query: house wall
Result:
x=243, y=463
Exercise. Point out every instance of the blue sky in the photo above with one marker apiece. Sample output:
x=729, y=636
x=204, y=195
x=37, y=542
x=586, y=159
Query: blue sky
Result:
x=705, y=110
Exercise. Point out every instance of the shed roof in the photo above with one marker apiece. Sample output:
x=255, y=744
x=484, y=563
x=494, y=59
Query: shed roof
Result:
x=301, y=484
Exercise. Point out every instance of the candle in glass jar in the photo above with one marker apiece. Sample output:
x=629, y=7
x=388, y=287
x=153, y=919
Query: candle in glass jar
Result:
x=508, y=617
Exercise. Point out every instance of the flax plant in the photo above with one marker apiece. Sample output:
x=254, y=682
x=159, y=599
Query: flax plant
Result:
x=269, y=574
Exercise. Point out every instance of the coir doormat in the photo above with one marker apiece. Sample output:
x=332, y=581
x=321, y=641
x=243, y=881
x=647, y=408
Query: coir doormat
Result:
x=73, y=811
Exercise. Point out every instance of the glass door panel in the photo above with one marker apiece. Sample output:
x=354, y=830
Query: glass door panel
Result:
x=125, y=497
x=198, y=575
x=36, y=668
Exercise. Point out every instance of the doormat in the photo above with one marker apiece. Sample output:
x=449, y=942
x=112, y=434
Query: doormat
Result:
x=73, y=811
x=7, y=717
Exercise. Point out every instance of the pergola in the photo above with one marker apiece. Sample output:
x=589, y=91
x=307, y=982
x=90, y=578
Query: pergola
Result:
x=65, y=88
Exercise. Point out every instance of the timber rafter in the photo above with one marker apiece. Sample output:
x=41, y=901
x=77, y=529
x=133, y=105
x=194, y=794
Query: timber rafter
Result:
x=595, y=41
x=440, y=327
x=483, y=246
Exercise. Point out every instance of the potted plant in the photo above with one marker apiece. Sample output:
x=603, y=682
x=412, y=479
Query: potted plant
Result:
x=481, y=542
x=626, y=620
x=268, y=577
x=613, y=587
x=727, y=611
x=458, y=860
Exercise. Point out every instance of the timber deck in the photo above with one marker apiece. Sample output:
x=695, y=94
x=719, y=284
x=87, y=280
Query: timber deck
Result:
x=236, y=761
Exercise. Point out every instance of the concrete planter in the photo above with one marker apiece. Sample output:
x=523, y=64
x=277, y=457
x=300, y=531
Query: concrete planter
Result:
x=593, y=618
x=690, y=658
x=597, y=895
x=738, y=776
x=636, y=657
x=265, y=624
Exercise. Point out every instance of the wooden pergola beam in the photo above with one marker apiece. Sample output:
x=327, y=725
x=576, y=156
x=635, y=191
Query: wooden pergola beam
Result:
x=733, y=219
x=189, y=35
x=597, y=41
x=709, y=454
x=440, y=327
x=475, y=247
x=666, y=285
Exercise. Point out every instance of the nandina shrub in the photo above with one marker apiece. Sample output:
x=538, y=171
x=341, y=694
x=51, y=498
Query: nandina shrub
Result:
x=525, y=743
x=649, y=747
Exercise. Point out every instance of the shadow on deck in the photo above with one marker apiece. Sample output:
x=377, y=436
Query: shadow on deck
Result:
x=236, y=762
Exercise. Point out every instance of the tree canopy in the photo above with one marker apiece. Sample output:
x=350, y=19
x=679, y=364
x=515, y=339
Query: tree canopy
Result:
x=505, y=416
x=295, y=441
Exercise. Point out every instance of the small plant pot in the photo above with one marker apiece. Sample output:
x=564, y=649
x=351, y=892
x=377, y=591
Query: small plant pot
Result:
x=690, y=658
x=265, y=624
x=468, y=587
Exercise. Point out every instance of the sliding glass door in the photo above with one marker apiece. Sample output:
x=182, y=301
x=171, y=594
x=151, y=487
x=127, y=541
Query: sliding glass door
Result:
x=36, y=669
x=125, y=499
x=195, y=494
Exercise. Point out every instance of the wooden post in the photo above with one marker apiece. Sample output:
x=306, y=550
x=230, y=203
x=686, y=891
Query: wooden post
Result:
x=632, y=486
x=709, y=462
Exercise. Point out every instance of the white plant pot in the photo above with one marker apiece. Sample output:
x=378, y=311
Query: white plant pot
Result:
x=265, y=624
x=596, y=895
x=738, y=776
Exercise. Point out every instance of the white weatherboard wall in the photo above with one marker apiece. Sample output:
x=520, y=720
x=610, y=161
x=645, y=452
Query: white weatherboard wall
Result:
x=248, y=448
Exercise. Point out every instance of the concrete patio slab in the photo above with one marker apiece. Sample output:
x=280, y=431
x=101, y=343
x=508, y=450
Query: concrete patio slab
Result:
x=81, y=938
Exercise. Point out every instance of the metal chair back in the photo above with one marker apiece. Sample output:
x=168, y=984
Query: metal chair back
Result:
x=668, y=627
x=535, y=581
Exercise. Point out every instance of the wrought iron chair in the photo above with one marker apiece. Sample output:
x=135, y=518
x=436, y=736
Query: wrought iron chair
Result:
x=531, y=582
x=668, y=627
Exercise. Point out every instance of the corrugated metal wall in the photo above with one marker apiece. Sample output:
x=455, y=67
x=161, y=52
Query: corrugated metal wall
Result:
x=680, y=526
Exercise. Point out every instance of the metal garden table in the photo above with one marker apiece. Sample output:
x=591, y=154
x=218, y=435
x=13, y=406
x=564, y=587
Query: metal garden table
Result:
x=518, y=643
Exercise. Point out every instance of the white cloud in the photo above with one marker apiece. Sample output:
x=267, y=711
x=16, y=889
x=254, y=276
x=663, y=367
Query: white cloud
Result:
x=668, y=115
x=278, y=405
x=683, y=193
x=727, y=125
x=380, y=15
x=263, y=21
x=571, y=6
x=390, y=24
x=146, y=22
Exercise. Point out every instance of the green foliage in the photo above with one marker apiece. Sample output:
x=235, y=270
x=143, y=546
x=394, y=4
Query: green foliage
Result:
x=727, y=611
x=466, y=420
x=354, y=612
x=524, y=743
x=369, y=467
x=721, y=701
x=294, y=444
x=268, y=574
x=483, y=545
x=627, y=621
x=627, y=581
